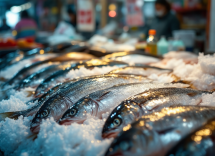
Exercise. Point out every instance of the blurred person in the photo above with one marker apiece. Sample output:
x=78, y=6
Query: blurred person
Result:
x=165, y=21
x=4, y=26
x=72, y=18
x=26, y=27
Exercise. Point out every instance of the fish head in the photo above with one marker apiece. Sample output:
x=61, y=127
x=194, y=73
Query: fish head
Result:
x=54, y=107
x=127, y=143
x=121, y=116
x=79, y=112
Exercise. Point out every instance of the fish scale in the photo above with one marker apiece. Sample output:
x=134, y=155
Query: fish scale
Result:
x=148, y=102
x=74, y=92
x=107, y=99
x=166, y=127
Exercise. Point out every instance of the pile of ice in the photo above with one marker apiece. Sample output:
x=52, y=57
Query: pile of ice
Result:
x=201, y=75
x=85, y=139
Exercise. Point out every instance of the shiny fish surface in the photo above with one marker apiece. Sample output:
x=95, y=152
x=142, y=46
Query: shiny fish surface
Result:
x=29, y=69
x=39, y=102
x=104, y=100
x=57, y=105
x=147, y=102
x=48, y=82
x=156, y=133
x=138, y=70
x=199, y=143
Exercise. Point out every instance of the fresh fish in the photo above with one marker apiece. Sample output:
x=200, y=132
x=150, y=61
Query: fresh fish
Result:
x=35, y=78
x=135, y=57
x=141, y=70
x=147, y=102
x=57, y=105
x=156, y=133
x=47, y=83
x=198, y=143
x=121, y=54
x=39, y=102
x=96, y=103
x=29, y=69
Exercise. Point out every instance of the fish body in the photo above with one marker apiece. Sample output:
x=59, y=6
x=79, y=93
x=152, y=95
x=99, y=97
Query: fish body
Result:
x=39, y=102
x=35, y=78
x=105, y=100
x=156, y=133
x=29, y=69
x=141, y=70
x=47, y=83
x=198, y=143
x=57, y=105
x=148, y=102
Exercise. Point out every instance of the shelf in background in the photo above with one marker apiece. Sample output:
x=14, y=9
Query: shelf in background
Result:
x=193, y=26
x=187, y=10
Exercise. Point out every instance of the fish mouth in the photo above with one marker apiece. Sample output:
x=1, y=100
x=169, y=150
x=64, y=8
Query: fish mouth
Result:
x=35, y=129
x=109, y=135
x=69, y=122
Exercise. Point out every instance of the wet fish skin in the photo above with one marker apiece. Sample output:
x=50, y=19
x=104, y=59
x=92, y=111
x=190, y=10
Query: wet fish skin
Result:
x=46, y=84
x=28, y=80
x=27, y=70
x=102, y=101
x=39, y=102
x=156, y=133
x=57, y=105
x=141, y=70
x=198, y=143
x=147, y=102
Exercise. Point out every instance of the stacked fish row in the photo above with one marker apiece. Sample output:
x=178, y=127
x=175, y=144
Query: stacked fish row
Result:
x=147, y=117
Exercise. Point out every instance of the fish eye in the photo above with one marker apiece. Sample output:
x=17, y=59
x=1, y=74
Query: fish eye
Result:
x=44, y=113
x=116, y=122
x=73, y=112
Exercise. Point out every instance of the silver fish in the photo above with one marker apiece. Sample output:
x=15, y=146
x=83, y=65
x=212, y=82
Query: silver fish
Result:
x=39, y=102
x=47, y=83
x=141, y=70
x=156, y=133
x=57, y=105
x=147, y=102
x=199, y=143
x=102, y=101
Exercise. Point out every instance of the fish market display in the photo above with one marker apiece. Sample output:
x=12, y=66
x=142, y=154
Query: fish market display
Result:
x=156, y=133
x=103, y=100
x=148, y=102
x=198, y=143
x=29, y=69
x=47, y=83
x=56, y=105
x=141, y=70
x=58, y=101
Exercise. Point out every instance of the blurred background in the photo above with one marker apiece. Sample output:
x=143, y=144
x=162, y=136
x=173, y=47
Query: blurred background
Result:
x=190, y=24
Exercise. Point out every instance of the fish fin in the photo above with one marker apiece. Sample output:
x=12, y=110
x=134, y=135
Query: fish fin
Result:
x=176, y=78
x=3, y=79
x=32, y=136
x=30, y=93
x=103, y=95
x=11, y=115
x=192, y=94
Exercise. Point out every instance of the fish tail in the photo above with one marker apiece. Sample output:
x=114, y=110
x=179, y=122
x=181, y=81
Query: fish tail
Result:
x=15, y=115
x=11, y=115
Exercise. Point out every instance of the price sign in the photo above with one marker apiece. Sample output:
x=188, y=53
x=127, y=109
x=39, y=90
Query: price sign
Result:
x=134, y=15
x=86, y=18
